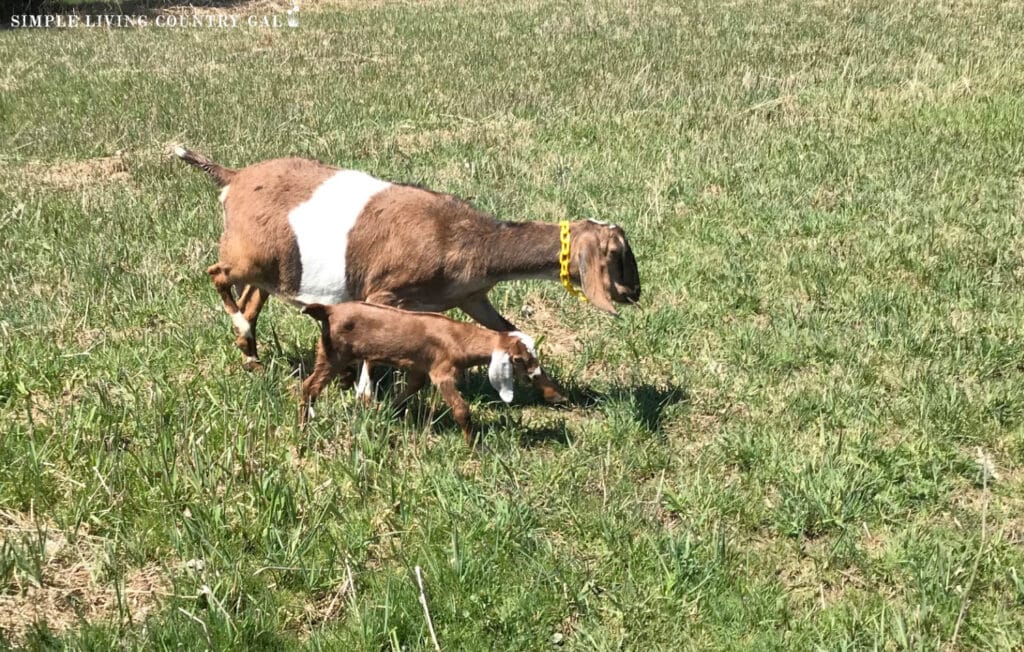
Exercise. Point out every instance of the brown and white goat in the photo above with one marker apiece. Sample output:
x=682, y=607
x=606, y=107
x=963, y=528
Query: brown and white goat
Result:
x=426, y=345
x=311, y=233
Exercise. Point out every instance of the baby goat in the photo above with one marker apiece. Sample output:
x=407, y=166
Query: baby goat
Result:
x=311, y=233
x=424, y=344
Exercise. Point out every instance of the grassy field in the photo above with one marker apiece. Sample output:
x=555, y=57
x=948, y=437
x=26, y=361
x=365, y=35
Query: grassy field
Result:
x=809, y=434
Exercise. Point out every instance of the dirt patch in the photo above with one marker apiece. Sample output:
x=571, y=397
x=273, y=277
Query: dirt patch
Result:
x=57, y=579
x=74, y=175
x=810, y=581
x=537, y=317
x=329, y=605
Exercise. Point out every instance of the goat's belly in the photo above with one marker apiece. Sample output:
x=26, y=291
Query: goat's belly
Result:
x=322, y=225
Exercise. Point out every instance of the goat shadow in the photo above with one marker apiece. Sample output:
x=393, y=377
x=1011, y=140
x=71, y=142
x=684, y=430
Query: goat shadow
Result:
x=422, y=413
x=649, y=402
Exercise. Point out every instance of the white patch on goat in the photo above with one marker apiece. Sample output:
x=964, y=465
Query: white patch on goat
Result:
x=180, y=151
x=321, y=226
x=224, y=194
x=500, y=374
x=242, y=324
x=363, y=389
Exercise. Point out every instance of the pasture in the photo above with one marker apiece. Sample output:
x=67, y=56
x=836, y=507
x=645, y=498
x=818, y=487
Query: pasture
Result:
x=808, y=434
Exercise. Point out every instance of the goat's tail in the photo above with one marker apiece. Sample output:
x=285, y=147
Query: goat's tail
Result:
x=220, y=174
x=317, y=311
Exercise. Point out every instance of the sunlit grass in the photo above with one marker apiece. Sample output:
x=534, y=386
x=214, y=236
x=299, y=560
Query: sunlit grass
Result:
x=776, y=448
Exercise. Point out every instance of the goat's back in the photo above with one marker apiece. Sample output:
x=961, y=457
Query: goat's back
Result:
x=397, y=337
x=313, y=233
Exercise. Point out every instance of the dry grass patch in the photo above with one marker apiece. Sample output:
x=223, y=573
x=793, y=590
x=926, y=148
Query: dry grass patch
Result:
x=76, y=175
x=504, y=130
x=57, y=579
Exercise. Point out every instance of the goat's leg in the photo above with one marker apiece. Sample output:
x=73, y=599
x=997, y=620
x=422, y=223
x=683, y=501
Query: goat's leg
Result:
x=220, y=276
x=323, y=373
x=414, y=381
x=364, y=389
x=250, y=302
x=460, y=411
x=483, y=312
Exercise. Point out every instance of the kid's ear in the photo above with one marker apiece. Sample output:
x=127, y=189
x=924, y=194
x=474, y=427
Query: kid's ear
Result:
x=500, y=373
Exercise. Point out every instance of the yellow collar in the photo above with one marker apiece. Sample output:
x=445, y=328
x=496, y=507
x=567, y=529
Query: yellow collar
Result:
x=563, y=261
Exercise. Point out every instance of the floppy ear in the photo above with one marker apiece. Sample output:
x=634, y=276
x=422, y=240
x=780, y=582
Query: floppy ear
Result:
x=500, y=374
x=628, y=285
x=630, y=273
x=594, y=276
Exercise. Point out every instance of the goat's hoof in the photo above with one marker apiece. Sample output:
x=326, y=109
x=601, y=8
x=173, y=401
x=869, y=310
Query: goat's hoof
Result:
x=554, y=398
x=252, y=364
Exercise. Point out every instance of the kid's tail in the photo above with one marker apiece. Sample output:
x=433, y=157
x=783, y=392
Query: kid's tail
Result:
x=220, y=174
x=316, y=311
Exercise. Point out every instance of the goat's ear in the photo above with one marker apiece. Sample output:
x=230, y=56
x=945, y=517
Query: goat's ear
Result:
x=500, y=373
x=630, y=273
x=594, y=275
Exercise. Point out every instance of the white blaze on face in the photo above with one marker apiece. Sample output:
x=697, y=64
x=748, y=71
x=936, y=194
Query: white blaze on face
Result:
x=321, y=226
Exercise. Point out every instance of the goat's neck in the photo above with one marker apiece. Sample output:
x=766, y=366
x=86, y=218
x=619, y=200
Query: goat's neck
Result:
x=521, y=250
x=478, y=344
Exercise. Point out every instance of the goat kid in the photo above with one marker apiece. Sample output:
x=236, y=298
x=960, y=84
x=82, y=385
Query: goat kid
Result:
x=426, y=345
x=311, y=233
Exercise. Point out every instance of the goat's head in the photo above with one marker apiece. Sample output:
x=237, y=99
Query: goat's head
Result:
x=523, y=355
x=516, y=353
x=604, y=264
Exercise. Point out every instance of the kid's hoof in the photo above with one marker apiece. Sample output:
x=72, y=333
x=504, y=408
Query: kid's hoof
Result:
x=554, y=397
x=252, y=364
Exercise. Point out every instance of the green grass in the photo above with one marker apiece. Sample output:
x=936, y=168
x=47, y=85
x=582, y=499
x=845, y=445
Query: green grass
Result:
x=778, y=448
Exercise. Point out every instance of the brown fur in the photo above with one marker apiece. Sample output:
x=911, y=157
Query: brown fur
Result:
x=410, y=247
x=258, y=243
x=258, y=250
x=424, y=344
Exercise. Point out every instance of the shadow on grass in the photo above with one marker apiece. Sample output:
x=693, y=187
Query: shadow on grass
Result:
x=544, y=435
x=649, y=401
x=440, y=421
